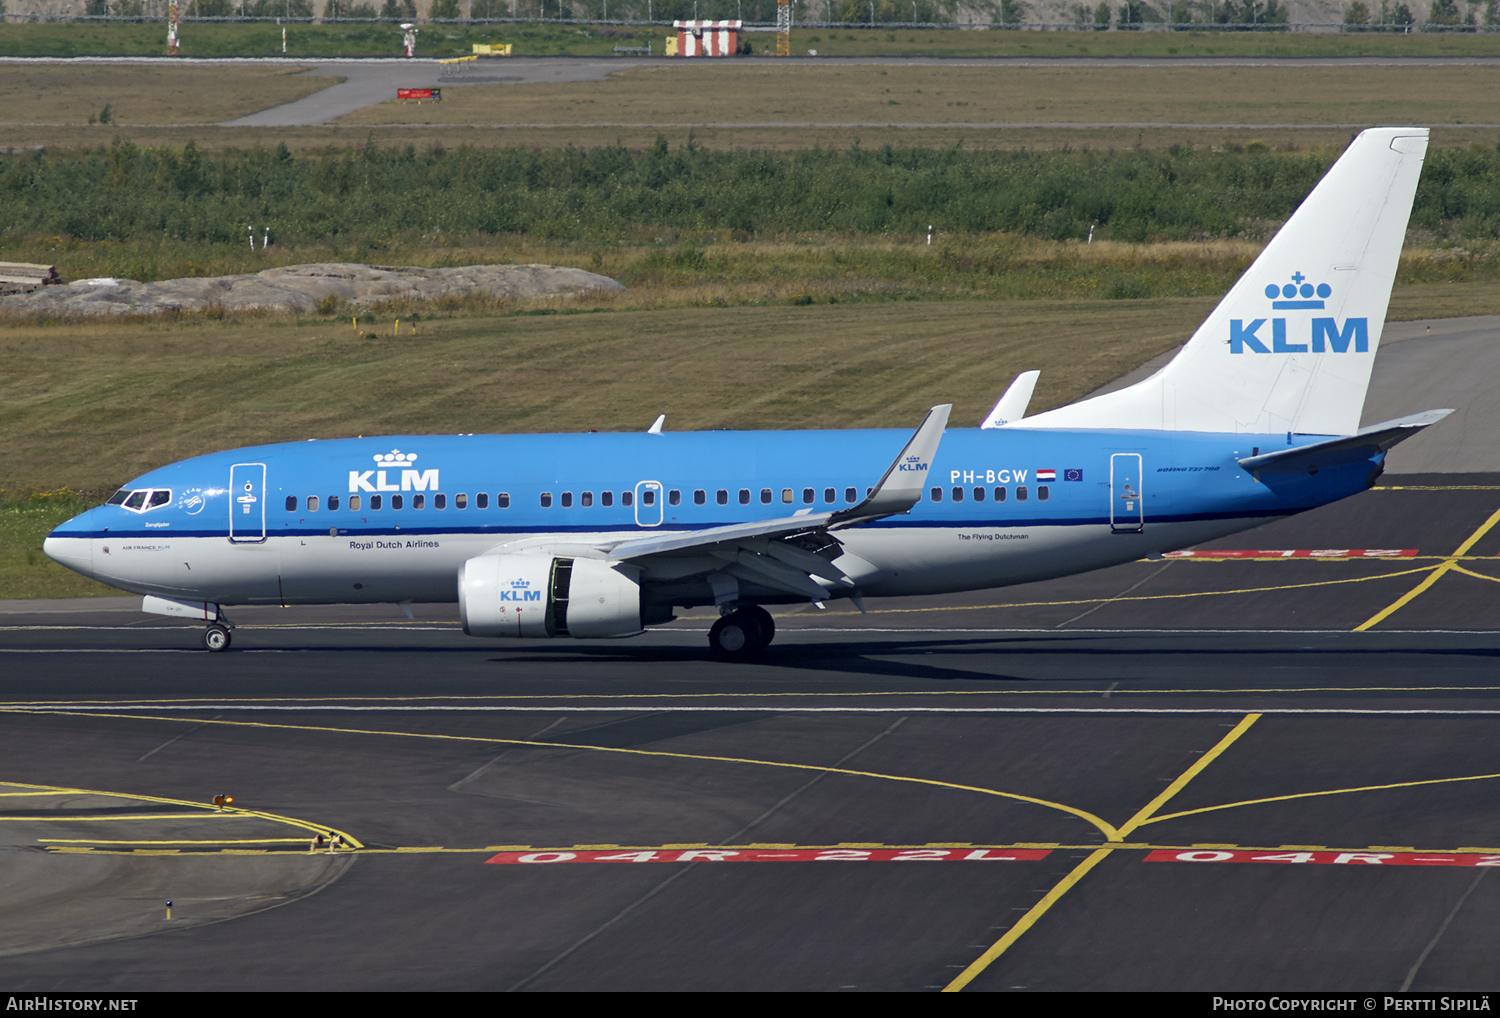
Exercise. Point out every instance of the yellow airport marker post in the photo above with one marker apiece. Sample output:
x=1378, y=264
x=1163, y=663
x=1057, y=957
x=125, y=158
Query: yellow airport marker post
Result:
x=169, y=910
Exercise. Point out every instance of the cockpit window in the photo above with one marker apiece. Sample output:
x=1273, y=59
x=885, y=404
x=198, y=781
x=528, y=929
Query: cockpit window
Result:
x=142, y=499
x=119, y=497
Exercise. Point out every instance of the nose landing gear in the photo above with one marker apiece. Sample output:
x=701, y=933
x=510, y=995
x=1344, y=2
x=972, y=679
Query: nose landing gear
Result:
x=216, y=638
x=742, y=634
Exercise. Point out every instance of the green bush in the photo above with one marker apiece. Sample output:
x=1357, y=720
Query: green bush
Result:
x=122, y=193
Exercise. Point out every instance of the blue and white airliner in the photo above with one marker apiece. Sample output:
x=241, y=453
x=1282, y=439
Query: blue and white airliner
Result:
x=601, y=535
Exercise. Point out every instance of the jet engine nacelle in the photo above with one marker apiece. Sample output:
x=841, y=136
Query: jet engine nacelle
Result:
x=542, y=595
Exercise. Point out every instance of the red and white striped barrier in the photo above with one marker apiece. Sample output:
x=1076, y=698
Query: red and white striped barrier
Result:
x=707, y=38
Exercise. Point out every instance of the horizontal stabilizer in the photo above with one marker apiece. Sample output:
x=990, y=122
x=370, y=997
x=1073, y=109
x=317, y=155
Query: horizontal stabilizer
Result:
x=1012, y=406
x=1309, y=459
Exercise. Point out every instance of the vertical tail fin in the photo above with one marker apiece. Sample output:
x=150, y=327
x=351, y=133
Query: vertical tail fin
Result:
x=1290, y=347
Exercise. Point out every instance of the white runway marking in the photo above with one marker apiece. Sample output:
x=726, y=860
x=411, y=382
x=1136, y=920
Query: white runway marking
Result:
x=744, y=709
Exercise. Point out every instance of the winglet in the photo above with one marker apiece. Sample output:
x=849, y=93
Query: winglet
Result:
x=655, y=429
x=1012, y=406
x=900, y=487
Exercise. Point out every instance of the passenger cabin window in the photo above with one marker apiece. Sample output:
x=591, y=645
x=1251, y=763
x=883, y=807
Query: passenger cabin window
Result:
x=958, y=494
x=999, y=494
x=1043, y=492
x=979, y=494
x=441, y=501
x=419, y=501
x=586, y=499
x=807, y=496
x=333, y=503
x=374, y=502
x=481, y=500
x=398, y=501
x=354, y=503
x=1021, y=494
x=546, y=500
x=567, y=500
x=627, y=499
x=937, y=494
x=829, y=495
x=851, y=495
x=648, y=497
x=312, y=503
x=674, y=497
x=606, y=498
x=765, y=496
x=722, y=496
x=744, y=496
x=700, y=497
x=502, y=500
x=786, y=496
x=291, y=503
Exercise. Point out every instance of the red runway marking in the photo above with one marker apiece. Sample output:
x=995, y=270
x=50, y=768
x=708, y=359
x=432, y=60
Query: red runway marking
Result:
x=1328, y=858
x=778, y=855
x=1300, y=553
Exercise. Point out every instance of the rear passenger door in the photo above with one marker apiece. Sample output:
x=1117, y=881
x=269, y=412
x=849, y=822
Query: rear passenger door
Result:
x=1127, y=510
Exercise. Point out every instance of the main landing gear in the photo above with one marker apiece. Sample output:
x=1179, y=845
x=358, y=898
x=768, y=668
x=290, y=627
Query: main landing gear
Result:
x=742, y=634
x=216, y=637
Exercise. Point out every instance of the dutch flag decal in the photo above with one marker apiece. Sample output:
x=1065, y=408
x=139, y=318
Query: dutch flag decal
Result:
x=1046, y=475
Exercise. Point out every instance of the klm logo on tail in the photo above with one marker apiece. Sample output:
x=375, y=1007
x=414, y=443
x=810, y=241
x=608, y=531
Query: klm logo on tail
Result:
x=1325, y=335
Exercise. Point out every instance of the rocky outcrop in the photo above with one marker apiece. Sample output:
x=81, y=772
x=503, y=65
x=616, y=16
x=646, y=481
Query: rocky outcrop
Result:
x=302, y=288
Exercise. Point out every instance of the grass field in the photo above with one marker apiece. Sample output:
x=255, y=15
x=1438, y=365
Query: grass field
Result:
x=208, y=39
x=675, y=269
x=760, y=104
x=54, y=94
x=924, y=94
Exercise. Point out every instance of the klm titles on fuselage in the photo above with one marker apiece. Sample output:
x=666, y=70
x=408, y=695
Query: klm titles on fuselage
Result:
x=411, y=479
x=912, y=464
x=1325, y=334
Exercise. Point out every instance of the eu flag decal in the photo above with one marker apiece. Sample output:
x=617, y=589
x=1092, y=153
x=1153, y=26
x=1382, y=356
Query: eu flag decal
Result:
x=1072, y=475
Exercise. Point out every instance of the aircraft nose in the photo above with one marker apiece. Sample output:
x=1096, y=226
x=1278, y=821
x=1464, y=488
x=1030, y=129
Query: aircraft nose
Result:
x=70, y=550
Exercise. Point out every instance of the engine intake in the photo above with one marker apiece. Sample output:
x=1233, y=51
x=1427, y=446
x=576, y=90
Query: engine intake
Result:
x=542, y=595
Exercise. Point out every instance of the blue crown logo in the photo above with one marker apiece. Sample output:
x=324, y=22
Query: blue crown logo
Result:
x=1298, y=287
x=520, y=583
x=914, y=459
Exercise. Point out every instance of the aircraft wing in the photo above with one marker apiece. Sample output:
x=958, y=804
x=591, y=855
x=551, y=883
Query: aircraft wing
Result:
x=762, y=549
x=1362, y=444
